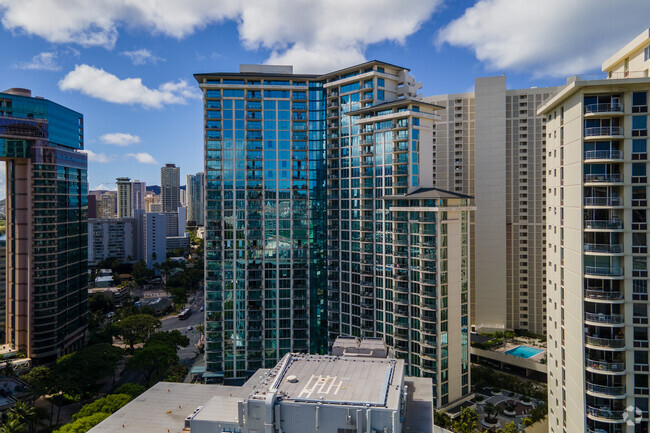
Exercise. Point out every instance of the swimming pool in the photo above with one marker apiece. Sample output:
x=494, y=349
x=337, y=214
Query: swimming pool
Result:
x=524, y=351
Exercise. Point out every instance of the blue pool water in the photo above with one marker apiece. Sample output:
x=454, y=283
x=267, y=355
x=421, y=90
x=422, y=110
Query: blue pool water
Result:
x=524, y=351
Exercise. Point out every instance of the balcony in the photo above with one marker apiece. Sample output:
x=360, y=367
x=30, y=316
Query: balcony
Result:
x=608, y=415
x=603, y=178
x=603, y=155
x=603, y=201
x=609, y=391
x=604, y=131
x=604, y=367
x=599, y=295
x=610, y=108
x=604, y=248
x=604, y=271
x=604, y=319
x=613, y=224
x=606, y=343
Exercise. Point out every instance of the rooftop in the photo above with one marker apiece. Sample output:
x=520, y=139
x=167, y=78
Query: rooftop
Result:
x=424, y=193
x=335, y=380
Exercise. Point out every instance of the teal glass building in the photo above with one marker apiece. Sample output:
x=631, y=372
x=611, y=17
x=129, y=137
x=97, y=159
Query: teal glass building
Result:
x=321, y=221
x=47, y=188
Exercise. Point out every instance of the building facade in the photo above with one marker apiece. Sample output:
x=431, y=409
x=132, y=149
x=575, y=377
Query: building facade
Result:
x=321, y=221
x=106, y=206
x=47, y=229
x=138, y=193
x=154, y=237
x=124, y=197
x=195, y=198
x=596, y=179
x=490, y=144
x=112, y=238
x=170, y=178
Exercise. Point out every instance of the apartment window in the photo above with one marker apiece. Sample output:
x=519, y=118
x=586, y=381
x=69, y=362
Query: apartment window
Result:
x=640, y=102
x=639, y=149
x=639, y=126
x=646, y=53
x=639, y=172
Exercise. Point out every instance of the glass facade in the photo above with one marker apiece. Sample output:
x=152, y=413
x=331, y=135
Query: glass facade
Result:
x=47, y=189
x=314, y=228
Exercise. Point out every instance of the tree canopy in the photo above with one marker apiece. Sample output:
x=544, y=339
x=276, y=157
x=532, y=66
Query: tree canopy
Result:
x=136, y=329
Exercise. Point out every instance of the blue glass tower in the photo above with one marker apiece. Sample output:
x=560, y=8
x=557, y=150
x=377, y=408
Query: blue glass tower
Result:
x=47, y=253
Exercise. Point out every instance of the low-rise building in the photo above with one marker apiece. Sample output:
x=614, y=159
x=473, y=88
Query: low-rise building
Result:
x=302, y=394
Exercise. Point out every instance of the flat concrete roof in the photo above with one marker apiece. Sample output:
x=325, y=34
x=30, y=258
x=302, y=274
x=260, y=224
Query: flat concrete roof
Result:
x=165, y=406
x=336, y=380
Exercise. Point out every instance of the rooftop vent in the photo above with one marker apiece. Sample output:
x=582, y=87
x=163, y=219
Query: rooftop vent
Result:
x=292, y=379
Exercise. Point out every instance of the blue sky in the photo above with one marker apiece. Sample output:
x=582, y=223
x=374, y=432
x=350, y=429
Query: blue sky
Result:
x=127, y=65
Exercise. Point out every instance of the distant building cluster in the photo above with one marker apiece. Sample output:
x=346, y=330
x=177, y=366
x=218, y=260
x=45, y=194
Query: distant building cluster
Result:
x=133, y=224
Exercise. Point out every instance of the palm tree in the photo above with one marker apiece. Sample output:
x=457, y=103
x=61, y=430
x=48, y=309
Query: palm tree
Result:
x=25, y=413
x=491, y=411
x=13, y=425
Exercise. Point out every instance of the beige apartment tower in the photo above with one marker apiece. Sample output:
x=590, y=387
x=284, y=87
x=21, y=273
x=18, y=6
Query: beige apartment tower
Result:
x=490, y=144
x=596, y=180
x=124, y=197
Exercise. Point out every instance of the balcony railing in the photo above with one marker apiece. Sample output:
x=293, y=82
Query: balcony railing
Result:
x=604, y=248
x=604, y=108
x=606, y=413
x=603, y=201
x=605, y=296
x=603, y=178
x=614, y=343
x=606, y=390
x=610, y=319
x=606, y=271
x=603, y=130
x=613, y=224
x=603, y=154
x=614, y=367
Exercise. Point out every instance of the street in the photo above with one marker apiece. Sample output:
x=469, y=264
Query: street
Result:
x=195, y=303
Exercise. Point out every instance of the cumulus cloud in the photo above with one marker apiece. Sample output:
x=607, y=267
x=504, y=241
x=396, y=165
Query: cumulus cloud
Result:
x=289, y=28
x=103, y=187
x=142, y=157
x=45, y=61
x=97, y=157
x=100, y=84
x=120, y=139
x=546, y=37
x=142, y=57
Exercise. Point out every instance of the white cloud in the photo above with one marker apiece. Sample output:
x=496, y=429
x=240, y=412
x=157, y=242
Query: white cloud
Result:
x=97, y=157
x=45, y=61
x=142, y=57
x=324, y=31
x=103, y=187
x=100, y=84
x=547, y=37
x=120, y=139
x=142, y=157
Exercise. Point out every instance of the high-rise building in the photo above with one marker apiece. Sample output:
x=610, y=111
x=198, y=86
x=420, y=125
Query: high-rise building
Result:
x=111, y=238
x=138, y=193
x=92, y=206
x=490, y=144
x=154, y=237
x=195, y=197
x=106, y=207
x=170, y=183
x=3, y=286
x=150, y=198
x=47, y=259
x=322, y=220
x=124, y=197
x=597, y=226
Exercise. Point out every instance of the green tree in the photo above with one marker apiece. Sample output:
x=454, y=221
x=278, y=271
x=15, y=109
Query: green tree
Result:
x=80, y=372
x=442, y=419
x=173, y=339
x=27, y=414
x=176, y=373
x=136, y=329
x=511, y=427
x=141, y=274
x=82, y=425
x=109, y=404
x=179, y=297
x=152, y=361
x=467, y=421
x=101, y=303
x=12, y=425
x=42, y=381
x=131, y=389
x=491, y=411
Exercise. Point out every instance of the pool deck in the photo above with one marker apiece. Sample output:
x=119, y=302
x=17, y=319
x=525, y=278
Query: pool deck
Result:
x=509, y=346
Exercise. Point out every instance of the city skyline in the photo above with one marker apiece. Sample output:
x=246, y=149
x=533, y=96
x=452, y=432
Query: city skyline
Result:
x=143, y=123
